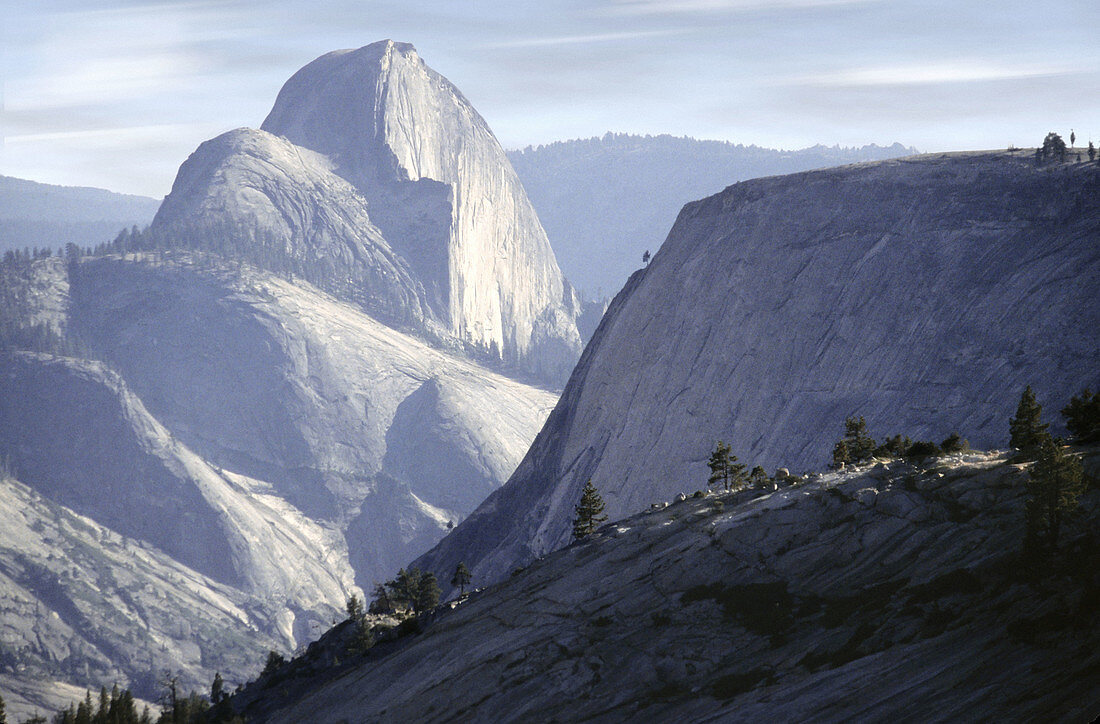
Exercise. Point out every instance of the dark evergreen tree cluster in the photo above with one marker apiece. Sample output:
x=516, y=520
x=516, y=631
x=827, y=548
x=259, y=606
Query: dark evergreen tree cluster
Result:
x=1055, y=483
x=120, y=707
x=24, y=257
x=1082, y=416
x=1053, y=148
x=589, y=513
x=412, y=592
x=858, y=446
x=1056, y=477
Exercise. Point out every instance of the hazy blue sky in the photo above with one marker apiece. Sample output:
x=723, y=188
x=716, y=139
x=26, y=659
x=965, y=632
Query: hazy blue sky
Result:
x=116, y=94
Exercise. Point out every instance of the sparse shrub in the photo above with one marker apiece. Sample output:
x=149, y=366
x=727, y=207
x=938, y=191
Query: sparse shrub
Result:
x=922, y=449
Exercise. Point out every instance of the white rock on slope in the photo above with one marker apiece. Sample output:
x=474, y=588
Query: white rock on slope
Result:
x=279, y=383
x=272, y=440
x=387, y=189
x=410, y=141
x=922, y=293
x=251, y=194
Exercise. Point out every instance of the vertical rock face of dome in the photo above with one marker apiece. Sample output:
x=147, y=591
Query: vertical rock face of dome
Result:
x=444, y=195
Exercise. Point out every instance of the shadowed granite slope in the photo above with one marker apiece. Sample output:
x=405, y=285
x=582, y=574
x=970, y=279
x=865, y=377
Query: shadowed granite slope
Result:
x=922, y=293
x=890, y=592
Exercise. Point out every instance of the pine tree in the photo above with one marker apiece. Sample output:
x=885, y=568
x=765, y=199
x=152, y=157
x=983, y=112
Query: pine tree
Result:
x=589, y=513
x=758, y=478
x=381, y=602
x=719, y=465
x=3, y=713
x=427, y=593
x=461, y=578
x=217, y=689
x=1027, y=429
x=724, y=468
x=354, y=608
x=857, y=444
x=274, y=661
x=1082, y=416
x=1055, y=484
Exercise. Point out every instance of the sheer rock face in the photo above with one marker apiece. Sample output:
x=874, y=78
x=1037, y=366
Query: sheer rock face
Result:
x=408, y=140
x=923, y=294
x=374, y=178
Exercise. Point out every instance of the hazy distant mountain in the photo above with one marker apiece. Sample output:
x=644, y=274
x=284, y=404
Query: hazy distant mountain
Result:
x=922, y=293
x=374, y=178
x=603, y=201
x=47, y=216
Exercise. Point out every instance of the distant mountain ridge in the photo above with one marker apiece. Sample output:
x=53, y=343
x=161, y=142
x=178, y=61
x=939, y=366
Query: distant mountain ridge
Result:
x=41, y=215
x=605, y=200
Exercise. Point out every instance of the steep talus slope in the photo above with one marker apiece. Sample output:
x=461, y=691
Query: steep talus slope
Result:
x=604, y=201
x=922, y=293
x=887, y=591
x=375, y=179
x=250, y=194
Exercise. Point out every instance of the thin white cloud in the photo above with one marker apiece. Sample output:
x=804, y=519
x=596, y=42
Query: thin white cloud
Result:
x=109, y=136
x=684, y=7
x=930, y=73
x=585, y=39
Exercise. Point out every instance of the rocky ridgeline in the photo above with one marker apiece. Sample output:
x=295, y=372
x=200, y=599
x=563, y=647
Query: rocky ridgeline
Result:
x=892, y=589
x=923, y=293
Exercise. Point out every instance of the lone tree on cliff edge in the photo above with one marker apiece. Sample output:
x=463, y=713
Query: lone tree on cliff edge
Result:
x=589, y=512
